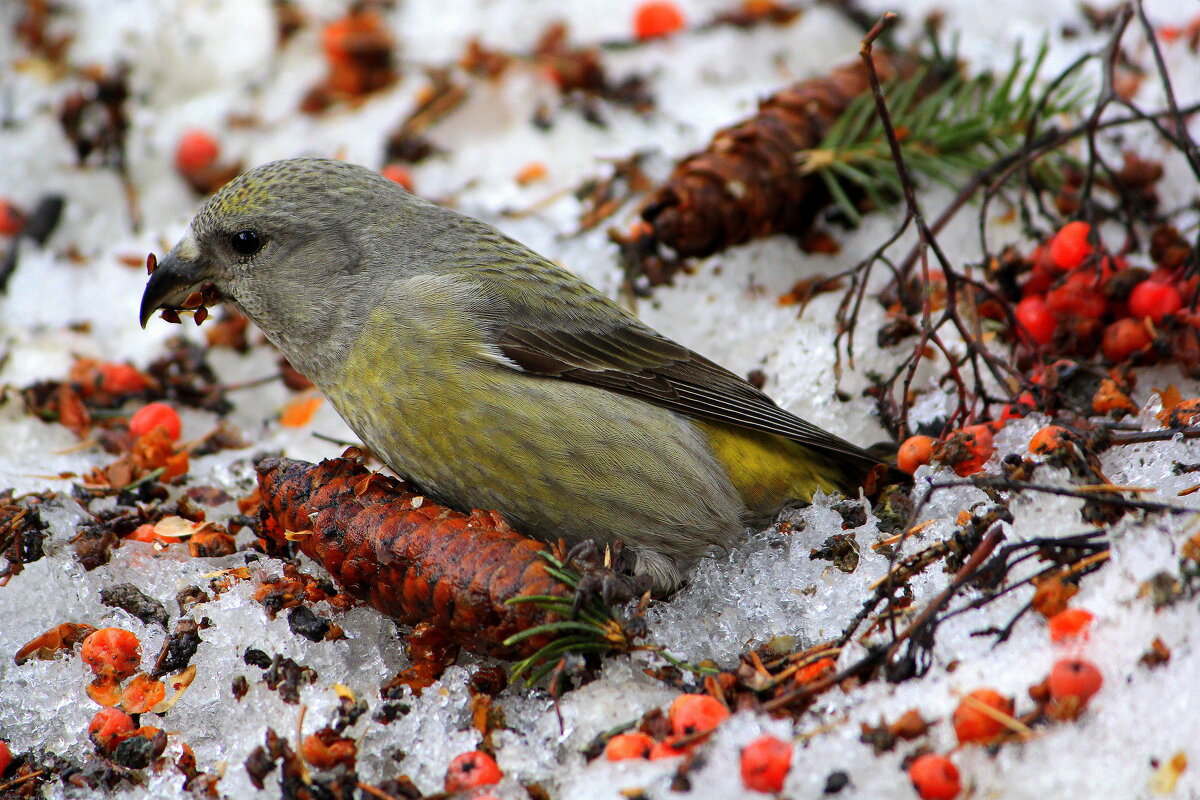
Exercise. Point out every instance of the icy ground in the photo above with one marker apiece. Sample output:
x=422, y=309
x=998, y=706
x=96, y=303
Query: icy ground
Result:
x=196, y=63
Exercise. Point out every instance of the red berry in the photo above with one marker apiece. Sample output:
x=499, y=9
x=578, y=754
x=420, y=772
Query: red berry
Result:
x=1071, y=623
x=12, y=219
x=1123, y=338
x=197, y=151
x=977, y=448
x=153, y=415
x=974, y=725
x=634, y=744
x=1070, y=246
x=915, y=452
x=469, y=770
x=693, y=713
x=657, y=18
x=1074, y=677
x=765, y=764
x=1036, y=319
x=934, y=777
x=106, y=727
x=1078, y=296
x=5, y=756
x=112, y=652
x=1154, y=300
x=398, y=174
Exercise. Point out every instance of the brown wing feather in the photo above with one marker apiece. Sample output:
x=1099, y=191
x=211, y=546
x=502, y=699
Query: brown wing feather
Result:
x=635, y=360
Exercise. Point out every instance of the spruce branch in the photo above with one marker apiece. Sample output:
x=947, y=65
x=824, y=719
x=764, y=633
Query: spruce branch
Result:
x=945, y=133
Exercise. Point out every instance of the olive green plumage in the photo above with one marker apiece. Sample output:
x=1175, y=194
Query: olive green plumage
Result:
x=493, y=378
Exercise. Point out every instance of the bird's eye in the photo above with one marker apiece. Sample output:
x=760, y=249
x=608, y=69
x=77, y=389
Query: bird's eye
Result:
x=245, y=243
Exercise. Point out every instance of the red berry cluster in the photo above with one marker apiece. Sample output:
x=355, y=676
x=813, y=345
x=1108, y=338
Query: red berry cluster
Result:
x=692, y=717
x=1078, y=298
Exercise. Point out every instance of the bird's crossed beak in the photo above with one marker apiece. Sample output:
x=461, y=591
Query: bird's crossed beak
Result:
x=177, y=283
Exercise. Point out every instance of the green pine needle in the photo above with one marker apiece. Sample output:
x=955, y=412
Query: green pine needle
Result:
x=955, y=129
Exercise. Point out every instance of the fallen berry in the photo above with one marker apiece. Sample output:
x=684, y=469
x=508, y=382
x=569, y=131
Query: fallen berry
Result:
x=5, y=756
x=1036, y=319
x=1154, y=300
x=1068, y=624
x=765, y=764
x=1074, y=678
x=12, y=220
x=107, y=727
x=1070, y=246
x=657, y=18
x=934, y=777
x=121, y=378
x=149, y=534
x=112, y=652
x=669, y=748
x=1050, y=439
x=154, y=415
x=469, y=770
x=623, y=746
x=915, y=452
x=325, y=750
x=972, y=447
x=973, y=725
x=695, y=713
x=398, y=174
x=196, y=152
x=816, y=670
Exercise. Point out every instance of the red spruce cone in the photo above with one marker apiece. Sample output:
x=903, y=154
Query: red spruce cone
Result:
x=412, y=559
x=747, y=183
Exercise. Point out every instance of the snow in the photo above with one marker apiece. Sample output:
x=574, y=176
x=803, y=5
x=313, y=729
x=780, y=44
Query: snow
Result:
x=197, y=63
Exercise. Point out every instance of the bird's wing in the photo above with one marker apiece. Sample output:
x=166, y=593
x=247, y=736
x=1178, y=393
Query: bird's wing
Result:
x=553, y=324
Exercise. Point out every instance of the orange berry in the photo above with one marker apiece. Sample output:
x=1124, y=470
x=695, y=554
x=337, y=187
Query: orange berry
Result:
x=299, y=411
x=154, y=415
x=142, y=694
x=934, y=777
x=634, y=744
x=469, y=770
x=5, y=756
x=1036, y=319
x=816, y=670
x=669, y=748
x=398, y=174
x=112, y=652
x=973, y=725
x=1049, y=439
x=121, y=378
x=693, y=713
x=325, y=750
x=1123, y=338
x=1154, y=300
x=1068, y=624
x=1074, y=677
x=657, y=18
x=765, y=764
x=1070, y=246
x=106, y=727
x=915, y=452
x=196, y=152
